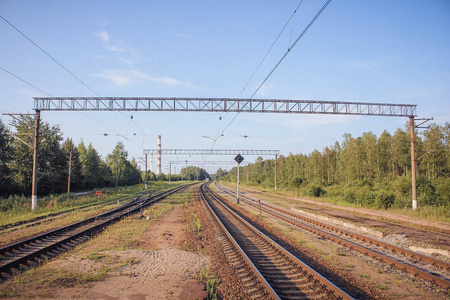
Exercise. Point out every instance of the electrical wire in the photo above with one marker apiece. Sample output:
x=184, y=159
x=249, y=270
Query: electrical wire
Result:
x=257, y=68
x=23, y=80
x=67, y=70
x=35, y=87
x=51, y=57
x=270, y=49
x=279, y=62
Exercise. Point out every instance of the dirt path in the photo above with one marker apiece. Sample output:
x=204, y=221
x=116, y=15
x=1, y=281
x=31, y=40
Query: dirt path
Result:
x=156, y=269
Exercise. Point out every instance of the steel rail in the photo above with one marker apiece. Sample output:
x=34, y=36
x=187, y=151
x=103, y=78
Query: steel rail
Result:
x=271, y=293
x=12, y=253
x=332, y=289
x=44, y=218
x=366, y=251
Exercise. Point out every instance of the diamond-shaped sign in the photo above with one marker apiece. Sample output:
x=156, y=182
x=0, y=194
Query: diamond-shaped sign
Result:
x=239, y=158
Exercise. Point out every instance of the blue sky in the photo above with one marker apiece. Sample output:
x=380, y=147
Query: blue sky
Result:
x=368, y=51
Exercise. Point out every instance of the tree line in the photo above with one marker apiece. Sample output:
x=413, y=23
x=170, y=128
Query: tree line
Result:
x=368, y=170
x=88, y=168
x=188, y=173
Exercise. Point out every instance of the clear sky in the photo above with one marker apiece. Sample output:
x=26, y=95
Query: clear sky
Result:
x=366, y=51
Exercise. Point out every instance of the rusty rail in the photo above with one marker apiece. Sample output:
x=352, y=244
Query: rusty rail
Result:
x=395, y=263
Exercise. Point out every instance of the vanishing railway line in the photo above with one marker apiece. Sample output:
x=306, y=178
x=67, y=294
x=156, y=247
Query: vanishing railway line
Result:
x=266, y=270
x=36, y=250
x=404, y=260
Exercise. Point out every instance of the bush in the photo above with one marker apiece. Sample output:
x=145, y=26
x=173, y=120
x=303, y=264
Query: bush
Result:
x=426, y=193
x=443, y=190
x=384, y=199
x=316, y=191
x=368, y=198
x=295, y=182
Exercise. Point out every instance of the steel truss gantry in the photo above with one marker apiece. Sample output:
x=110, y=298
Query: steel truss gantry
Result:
x=211, y=152
x=223, y=105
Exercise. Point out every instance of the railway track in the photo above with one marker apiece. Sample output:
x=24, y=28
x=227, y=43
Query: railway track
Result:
x=34, y=251
x=52, y=216
x=354, y=241
x=266, y=270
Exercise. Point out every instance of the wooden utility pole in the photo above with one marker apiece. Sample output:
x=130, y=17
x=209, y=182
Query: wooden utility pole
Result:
x=37, y=119
x=70, y=169
x=170, y=171
x=276, y=158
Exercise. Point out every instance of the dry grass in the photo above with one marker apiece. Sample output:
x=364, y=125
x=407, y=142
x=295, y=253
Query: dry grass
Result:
x=126, y=234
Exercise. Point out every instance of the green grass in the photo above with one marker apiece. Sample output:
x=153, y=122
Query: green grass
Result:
x=20, y=209
x=438, y=213
x=39, y=281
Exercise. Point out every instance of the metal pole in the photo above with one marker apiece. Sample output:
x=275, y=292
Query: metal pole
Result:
x=413, y=164
x=37, y=119
x=170, y=171
x=70, y=170
x=158, y=157
x=276, y=156
x=237, y=192
x=145, y=179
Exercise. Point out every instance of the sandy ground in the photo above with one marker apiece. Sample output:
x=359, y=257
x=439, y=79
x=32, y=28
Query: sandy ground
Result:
x=164, y=272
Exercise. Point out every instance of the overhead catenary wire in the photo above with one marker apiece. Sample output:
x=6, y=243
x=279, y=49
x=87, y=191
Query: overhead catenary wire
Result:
x=68, y=71
x=280, y=61
x=51, y=57
x=259, y=65
x=23, y=80
x=42, y=91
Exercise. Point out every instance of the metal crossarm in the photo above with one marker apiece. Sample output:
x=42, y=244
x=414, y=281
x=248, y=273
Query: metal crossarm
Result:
x=211, y=152
x=223, y=105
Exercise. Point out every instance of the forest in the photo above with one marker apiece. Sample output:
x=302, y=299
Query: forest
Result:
x=88, y=169
x=368, y=170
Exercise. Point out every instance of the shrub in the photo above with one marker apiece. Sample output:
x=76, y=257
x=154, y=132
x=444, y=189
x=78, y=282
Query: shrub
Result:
x=384, y=199
x=316, y=191
x=426, y=193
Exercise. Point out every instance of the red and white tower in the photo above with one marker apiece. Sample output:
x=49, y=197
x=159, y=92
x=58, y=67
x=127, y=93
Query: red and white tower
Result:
x=158, y=170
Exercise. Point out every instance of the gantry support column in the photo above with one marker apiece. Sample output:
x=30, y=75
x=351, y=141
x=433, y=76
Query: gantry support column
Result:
x=413, y=164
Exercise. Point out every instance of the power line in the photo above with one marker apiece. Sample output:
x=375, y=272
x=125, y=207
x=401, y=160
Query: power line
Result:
x=67, y=70
x=35, y=87
x=293, y=45
x=23, y=80
x=51, y=57
x=257, y=68
x=270, y=49
x=282, y=58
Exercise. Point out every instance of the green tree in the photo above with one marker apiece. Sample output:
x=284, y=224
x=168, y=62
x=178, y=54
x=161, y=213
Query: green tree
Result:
x=5, y=161
x=93, y=173
x=434, y=156
x=116, y=162
x=76, y=179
